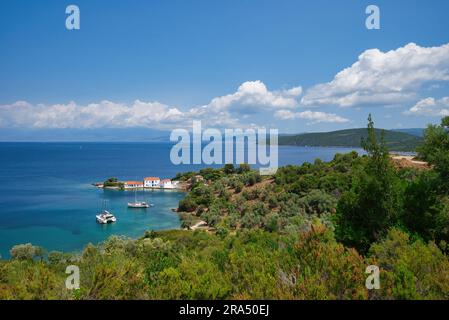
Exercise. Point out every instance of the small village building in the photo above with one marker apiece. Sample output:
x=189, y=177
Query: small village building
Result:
x=151, y=182
x=133, y=184
x=166, y=184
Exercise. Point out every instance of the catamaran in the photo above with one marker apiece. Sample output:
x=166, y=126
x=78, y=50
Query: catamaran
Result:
x=105, y=216
x=138, y=204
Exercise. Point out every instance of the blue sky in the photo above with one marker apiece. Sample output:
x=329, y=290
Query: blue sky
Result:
x=162, y=63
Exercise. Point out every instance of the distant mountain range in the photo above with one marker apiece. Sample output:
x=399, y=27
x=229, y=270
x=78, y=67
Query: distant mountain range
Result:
x=84, y=135
x=395, y=140
x=419, y=132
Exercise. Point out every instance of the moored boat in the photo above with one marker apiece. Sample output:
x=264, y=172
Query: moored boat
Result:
x=138, y=205
x=105, y=217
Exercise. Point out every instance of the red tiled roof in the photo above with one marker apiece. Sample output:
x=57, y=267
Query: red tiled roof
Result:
x=133, y=182
x=166, y=180
x=151, y=178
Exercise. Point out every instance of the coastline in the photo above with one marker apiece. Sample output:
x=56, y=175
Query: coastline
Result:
x=116, y=188
x=60, y=206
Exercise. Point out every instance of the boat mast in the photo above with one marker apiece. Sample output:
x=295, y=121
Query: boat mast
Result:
x=104, y=205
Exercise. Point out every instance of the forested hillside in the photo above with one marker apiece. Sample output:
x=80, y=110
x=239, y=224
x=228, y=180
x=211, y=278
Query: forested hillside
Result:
x=394, y=141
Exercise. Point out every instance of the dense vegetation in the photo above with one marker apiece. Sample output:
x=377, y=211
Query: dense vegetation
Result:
x=113, y=183
x=394, y=140
x=308, y=232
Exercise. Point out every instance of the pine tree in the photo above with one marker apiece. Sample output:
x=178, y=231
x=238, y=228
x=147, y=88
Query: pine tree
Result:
x=372, y=205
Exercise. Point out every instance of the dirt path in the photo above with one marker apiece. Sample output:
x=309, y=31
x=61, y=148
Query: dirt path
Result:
x=409, y=162
x=199, y=224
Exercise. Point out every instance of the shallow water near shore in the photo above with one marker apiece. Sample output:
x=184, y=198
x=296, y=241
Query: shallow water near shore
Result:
x=46, y=196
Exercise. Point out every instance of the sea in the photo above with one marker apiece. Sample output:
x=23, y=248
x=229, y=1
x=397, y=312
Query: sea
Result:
x=47, y=197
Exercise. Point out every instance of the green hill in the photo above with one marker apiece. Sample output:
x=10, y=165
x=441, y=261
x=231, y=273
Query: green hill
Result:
x=395, y=141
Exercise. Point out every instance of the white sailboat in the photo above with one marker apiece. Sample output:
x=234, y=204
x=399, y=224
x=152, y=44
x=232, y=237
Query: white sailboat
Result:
x=138, y=204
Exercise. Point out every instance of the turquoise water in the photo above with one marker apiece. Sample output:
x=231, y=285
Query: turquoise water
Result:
x=46, y=196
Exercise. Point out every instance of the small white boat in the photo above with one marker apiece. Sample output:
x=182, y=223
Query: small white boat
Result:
x=138, y=205
x=106, y=217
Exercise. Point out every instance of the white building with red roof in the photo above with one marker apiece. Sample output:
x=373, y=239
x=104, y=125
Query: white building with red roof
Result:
x=151, y=182
x=166, y=184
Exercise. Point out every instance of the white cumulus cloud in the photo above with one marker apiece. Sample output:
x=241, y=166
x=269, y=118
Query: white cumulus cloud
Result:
x=254, y=95
x=225, y=111
x=383, y=78
x=93, y=115
x=313, y=116
x=430, y=107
